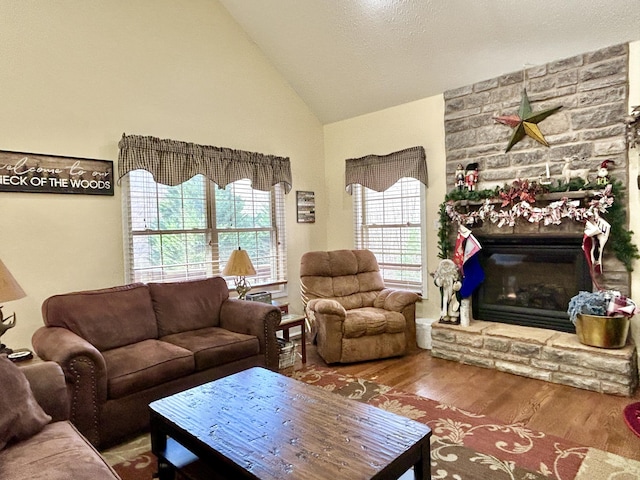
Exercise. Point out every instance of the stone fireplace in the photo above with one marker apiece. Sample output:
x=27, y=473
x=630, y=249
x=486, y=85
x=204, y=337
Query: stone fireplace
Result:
x=520, y=324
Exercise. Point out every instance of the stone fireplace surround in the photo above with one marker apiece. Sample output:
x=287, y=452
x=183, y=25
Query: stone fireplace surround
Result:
x=593, y=90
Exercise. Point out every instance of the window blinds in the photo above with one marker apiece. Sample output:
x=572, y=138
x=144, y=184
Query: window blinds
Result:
x=389, y=224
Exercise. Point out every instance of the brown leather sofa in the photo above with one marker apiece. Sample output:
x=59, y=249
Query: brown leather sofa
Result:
x=57, y=451
x=355, y=316
x=124, y=347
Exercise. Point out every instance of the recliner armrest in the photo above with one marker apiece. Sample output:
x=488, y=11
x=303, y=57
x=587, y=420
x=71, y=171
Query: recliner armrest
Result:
x=395, y=300
x=328, y=318
x=326, y=306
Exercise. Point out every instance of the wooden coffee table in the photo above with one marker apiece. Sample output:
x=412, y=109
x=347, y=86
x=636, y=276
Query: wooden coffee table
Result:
x=263, y=425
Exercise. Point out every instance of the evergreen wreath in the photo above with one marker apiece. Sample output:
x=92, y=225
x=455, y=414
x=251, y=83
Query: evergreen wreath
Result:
x=521, y=194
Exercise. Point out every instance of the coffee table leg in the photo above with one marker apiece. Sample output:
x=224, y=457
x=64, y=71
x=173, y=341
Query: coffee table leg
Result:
x=159, y=445
x=422, y=469
x=165, y=470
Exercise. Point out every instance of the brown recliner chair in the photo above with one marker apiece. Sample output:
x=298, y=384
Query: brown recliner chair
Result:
x=356, y=318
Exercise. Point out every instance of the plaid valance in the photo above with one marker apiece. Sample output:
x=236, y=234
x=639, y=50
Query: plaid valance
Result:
x=172, y=162
x=381, y=172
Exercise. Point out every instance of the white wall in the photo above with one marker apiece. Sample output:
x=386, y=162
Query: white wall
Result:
x=412, y=124
x=75, y=75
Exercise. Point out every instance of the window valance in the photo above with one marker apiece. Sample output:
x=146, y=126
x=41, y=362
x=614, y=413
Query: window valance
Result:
x=173, y=162
x=381, y=172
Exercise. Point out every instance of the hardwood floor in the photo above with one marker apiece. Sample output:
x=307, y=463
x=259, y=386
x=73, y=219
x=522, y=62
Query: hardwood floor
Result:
x=585, y=417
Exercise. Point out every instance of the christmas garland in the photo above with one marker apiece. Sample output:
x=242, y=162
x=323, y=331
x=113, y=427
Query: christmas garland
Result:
x=552, y=214
x=519, y=198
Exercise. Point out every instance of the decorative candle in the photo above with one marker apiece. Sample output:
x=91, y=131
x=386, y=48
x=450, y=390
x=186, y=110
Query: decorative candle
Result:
x=547, y=169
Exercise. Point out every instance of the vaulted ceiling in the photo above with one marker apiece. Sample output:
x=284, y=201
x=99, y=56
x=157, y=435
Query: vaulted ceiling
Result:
x=350, y=57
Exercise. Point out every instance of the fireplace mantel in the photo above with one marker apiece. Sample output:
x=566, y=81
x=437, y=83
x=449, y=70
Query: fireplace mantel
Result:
x=542, y=198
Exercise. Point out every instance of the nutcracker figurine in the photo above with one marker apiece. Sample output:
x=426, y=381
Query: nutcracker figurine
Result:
x=471, y=178
x=460, y=183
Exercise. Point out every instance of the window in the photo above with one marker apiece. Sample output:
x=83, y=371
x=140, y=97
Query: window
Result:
x=188, y=231
x=389, y=224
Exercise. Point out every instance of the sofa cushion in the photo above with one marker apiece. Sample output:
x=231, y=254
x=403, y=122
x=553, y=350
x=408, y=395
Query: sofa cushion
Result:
x=20, y=415
x=106, y=318
x=58, y=452
x=186, y=306
x=136, y=367
x=368, y=321
x=215, y=346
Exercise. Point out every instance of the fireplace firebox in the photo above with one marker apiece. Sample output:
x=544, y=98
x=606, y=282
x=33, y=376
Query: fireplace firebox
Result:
x=530, y=280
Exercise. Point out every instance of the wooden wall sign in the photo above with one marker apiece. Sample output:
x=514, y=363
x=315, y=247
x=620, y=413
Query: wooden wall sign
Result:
x=306, y=207
x=35, y=173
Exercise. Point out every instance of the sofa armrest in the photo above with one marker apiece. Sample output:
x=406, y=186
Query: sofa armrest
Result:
x=395, y=300
x=254, y=318
x=85, y=372
x=49, y=387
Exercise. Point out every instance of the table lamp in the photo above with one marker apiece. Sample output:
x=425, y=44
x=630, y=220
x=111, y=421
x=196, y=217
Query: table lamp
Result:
x=9, y=290
x=239, y=265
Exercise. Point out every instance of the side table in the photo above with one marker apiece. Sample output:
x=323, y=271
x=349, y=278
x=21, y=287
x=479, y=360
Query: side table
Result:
x=27, y=357
x=290, y=320
x=283, y=306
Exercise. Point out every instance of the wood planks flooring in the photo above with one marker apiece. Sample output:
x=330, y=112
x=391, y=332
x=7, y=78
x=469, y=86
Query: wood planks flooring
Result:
x=585, y=417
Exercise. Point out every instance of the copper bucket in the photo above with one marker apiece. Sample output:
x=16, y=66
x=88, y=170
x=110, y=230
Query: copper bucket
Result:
x=603, y=332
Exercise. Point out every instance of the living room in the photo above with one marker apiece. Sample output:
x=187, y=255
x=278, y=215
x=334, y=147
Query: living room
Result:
x=79, y=82
x=79, y=75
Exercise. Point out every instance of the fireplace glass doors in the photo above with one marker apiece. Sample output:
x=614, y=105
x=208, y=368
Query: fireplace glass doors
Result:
x=529, y=280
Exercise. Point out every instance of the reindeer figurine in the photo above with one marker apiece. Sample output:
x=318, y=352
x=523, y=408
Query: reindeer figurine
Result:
x=568, y=173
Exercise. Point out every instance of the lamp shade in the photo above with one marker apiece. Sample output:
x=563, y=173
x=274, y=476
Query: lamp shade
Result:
x=9, y=288
x=239, y=264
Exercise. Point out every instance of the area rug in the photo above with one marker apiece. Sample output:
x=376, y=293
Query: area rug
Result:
x=464, y=445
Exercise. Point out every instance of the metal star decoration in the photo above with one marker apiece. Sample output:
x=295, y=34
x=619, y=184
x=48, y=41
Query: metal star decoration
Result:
x=526, y=122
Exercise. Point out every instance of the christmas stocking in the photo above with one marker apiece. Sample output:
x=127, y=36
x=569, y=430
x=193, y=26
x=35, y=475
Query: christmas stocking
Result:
x=458, y=251
x=473, y=273
x=595, y=237
x=602, y=238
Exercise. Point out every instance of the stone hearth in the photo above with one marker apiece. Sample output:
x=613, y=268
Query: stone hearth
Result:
x=538, y=353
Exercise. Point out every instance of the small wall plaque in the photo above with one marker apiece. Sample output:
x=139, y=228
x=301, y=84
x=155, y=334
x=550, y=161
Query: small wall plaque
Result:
x=306, y=207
